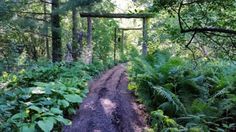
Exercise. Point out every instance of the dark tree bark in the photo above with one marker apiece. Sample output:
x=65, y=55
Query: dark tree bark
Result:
x=56, y=33
x=74, y=34
x=46, y=30
x=210, y=29
x=116, y=15
x=33, y=50
x=34, y=53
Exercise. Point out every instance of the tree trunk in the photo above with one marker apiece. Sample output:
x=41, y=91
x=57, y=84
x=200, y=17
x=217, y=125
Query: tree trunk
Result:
x=74, y=34
x=56, y=33
x=46, y=30
x=145, y=37
x=89, y=41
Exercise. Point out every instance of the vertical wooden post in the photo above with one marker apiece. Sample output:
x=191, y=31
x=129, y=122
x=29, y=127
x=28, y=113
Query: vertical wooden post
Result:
x=115, y=44
x=122, y=41
x=145, y=37
x=89, y=40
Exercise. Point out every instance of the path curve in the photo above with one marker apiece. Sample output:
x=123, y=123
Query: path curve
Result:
x=109, y=106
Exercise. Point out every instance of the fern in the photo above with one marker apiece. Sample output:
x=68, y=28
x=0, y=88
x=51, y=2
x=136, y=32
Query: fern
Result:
x=169, y=96
x=171, y=84
x=219, y=93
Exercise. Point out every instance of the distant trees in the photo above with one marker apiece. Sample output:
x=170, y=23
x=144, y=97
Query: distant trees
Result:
x=56, y=30
x=22, y=25
x=33, y=20
x=42, y=28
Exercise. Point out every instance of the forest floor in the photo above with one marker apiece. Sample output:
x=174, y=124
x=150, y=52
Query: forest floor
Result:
x=109, y=106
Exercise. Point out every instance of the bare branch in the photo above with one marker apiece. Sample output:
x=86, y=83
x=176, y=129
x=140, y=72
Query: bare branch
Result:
x=190, y=40
x=179, y=17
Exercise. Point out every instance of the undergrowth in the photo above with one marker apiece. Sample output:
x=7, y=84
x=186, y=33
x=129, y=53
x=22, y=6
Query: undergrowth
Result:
x=182, y=97
x=40, y=97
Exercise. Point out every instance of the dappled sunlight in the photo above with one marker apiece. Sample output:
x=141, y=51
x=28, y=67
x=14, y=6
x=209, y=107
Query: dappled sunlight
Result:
x=108, y=105
x=97, y=130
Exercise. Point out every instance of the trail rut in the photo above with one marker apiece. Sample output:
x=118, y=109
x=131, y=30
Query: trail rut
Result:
x=109, y=106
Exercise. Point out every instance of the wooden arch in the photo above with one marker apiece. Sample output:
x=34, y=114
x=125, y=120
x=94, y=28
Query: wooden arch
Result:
x=145, y=17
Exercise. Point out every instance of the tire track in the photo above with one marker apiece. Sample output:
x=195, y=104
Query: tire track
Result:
x=109, y=106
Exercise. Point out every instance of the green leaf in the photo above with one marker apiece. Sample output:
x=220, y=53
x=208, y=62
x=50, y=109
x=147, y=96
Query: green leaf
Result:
x=71, y=111
x=63, y=120
x=19, y=116
x=46, y=125
x=56, y=111
x=35, y=108
x=47, y=114
x=64, y=103
x=38, y=90
x=36, y=116
x=73, y=98
x=28, y=128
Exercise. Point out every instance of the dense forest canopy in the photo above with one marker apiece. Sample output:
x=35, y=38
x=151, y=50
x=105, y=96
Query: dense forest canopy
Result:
x=49, y=52
x=210, y=23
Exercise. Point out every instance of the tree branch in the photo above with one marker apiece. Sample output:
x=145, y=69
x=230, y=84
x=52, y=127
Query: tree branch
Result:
x=179, y=17
x=209, y=29
x=190, y=41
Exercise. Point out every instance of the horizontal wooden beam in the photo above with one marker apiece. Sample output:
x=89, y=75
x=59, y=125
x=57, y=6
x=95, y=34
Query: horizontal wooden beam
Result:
x=116, y=15
x=130, y=29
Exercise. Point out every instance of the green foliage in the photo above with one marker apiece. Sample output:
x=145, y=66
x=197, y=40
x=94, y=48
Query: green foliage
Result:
x=41, y=97
x=198, y=98
x=104, y=33
x=197, y=14
x=72, y=4
x=163, y=123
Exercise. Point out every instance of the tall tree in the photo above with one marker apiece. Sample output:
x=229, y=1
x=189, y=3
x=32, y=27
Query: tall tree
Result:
x=46, y=29
x=56, y=33
x=74, y=33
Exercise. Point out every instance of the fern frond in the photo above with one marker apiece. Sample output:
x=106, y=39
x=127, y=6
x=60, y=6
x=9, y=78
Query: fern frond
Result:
x=219, y=93
x=171, y=97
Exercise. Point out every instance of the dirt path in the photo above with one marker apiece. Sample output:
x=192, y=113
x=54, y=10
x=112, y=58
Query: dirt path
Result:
x=109, y=106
